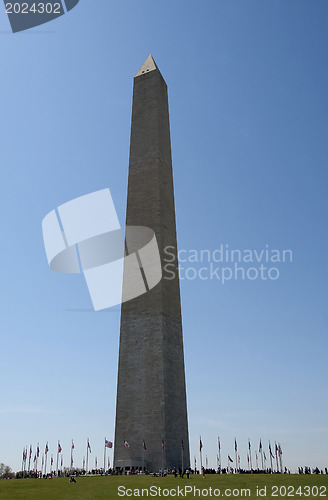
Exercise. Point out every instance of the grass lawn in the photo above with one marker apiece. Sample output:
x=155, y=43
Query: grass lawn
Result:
x=99, y=488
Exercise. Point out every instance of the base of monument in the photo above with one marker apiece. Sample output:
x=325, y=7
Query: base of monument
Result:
x=130, y=465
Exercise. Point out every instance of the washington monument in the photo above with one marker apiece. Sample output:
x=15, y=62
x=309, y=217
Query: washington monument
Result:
x=151, y=410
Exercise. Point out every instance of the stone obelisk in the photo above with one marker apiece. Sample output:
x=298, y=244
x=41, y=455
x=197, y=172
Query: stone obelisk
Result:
x=151, y=407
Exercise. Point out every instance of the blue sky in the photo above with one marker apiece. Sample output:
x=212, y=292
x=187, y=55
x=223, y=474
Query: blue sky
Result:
x=248, y=109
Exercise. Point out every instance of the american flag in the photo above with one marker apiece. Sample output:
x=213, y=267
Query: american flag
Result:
x=144, y=446
x=229, y=458
x=235, y=445
x=219, y=444
x=47, y=449
x=182, y=445
x=59, y=447
x=200, y=444
x=260, y=447
x=126, y=444
x=249, y=444
x=108, y=444
x=271, y=454
x=73, y=446
x=38, y=451
x=163, y=445
x=52, y=459
x=89, y=447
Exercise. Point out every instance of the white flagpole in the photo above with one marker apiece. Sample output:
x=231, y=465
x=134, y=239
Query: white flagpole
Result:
x=57, y=459
x=105, y=456
x=45, y=463
x=236, y=455
x=219, y=446
x=250, y=454
x=87, y=457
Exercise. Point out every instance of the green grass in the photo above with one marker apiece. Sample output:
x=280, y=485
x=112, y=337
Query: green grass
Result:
x=103, y=488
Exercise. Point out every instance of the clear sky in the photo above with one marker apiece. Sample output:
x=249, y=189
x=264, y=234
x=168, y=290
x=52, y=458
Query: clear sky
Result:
x=248, y=107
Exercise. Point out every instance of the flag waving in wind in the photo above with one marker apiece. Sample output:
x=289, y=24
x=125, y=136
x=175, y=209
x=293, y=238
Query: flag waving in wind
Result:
x=89, y=447
x=235, y=445
x=200, y=444
x=126, y=444
x=59, y=447
x=144, y=446
x=108, y=444
x=229, y=458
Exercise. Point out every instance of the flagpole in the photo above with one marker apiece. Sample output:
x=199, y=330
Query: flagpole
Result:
x=280, y=457
x=219, y=446
x=261, y=451
x=25, y=457
x=250, y=454
x=29, y=461
x=57, y=459
x=45, y=466
x=182, y=447
x=87, y=457
x=200, y=452
x=36, y=463
x=276, y=451
x=236, y=455
x=124, y=450
x=143, y=455
x=270, y=453
x=105, y=456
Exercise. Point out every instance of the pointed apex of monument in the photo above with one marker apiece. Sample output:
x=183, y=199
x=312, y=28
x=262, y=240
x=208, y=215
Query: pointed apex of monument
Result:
x=148, y=65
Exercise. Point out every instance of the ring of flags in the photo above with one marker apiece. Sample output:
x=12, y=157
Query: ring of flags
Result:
x=275, y=453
